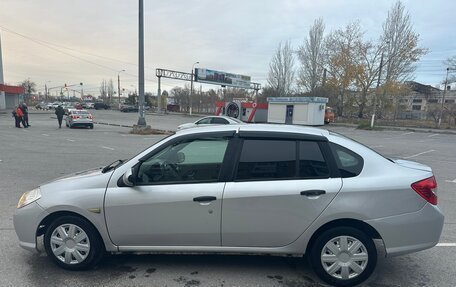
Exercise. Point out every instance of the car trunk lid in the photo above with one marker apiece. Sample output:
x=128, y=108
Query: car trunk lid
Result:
x=412, y=164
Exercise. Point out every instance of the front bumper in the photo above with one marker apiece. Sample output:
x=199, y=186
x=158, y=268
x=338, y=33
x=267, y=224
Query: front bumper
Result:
x=411, y=232
x=26, y=221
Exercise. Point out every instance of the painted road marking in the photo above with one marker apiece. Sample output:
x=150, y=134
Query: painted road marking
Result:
x=453, y=181
x=424, y=152
x=409, y=133
x=46, y=135
x=446, y=244
x=70, y=140
x=433, y=135
x=106, y=147
x=376, y=146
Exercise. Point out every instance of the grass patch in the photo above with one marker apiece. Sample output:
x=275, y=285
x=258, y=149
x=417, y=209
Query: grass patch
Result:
x=367, y=126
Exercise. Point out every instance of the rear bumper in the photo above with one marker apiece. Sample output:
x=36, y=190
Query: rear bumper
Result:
x=411, y=232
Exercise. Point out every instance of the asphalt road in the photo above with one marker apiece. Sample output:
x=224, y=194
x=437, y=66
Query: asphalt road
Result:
x=29, y=157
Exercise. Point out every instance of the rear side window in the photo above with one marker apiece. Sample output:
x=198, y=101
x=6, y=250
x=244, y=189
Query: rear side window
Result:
x=267, y=159
x=311, y=161
x=349, y=163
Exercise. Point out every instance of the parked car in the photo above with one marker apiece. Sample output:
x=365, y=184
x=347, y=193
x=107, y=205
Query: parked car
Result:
x=284, y=190
x=41, y=106
x=53, y=105
x=128, y=108
x=212, y=120
x=101, y=106
x=77, y=118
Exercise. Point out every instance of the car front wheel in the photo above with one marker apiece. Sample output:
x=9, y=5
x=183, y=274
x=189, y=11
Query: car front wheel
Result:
x=73, y=243
x=343, y=256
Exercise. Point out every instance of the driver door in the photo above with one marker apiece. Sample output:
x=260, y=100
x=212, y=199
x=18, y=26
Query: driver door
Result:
x=176, y=200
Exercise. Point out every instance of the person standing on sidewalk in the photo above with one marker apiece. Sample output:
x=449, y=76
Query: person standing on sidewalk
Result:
x=60, y=112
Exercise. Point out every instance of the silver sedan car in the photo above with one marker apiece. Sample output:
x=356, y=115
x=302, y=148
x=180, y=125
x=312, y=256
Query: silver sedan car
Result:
x=211, y=120
x=79, y=118
x=285, y=190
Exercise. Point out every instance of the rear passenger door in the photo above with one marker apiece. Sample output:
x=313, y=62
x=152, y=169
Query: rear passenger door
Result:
x=280, y=187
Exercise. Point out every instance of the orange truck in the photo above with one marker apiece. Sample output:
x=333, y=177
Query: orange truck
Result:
x=329, y=115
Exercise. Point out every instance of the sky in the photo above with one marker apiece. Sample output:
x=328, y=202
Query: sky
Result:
x=54, y=42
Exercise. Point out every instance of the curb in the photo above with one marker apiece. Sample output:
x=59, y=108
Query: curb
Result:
x=410, y=129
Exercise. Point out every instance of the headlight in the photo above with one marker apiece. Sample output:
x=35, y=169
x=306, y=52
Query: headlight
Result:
x=29, y=197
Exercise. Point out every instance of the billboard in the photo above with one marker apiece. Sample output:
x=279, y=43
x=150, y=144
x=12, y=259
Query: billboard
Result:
x=222, y=78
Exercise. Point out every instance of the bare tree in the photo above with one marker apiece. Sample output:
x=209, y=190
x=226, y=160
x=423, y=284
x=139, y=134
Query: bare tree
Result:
x=310, y=56
x=104, y=90
x=401, y=43
x=281, y=70
x=110, y=90
x=29, y=88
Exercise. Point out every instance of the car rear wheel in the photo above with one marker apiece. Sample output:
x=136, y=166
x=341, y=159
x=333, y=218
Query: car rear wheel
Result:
x=90, y=126
x=72, y=243
x=343, y=256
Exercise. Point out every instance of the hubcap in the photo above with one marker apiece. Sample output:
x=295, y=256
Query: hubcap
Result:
x=70, y=244
x=344, y=257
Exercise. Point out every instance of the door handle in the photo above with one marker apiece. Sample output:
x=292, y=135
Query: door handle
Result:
x=204, y=198
x=314, y=192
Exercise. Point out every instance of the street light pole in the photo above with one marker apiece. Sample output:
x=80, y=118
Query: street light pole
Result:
x=82, y=91
x=443, y=97
x=191, y=87
x=118, y=85
x=141, y=119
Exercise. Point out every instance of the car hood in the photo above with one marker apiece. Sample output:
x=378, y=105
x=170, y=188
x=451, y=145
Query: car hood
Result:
x=87, y=179
x=185, y=126
x=412, y=164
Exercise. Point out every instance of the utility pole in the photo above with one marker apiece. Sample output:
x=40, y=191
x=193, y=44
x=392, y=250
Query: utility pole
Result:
x=45, y=92
x=141, y=119
x=443, y=97
x=118, y=85
x=376, y=91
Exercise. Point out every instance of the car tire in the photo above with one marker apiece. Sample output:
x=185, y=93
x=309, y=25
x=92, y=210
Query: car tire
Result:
x=73, y=243
x=334, y=255
x=91, y=127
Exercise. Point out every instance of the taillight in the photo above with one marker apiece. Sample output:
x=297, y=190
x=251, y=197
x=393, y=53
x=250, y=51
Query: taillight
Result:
x=90, y=116
x=426, y=188
x=74, y=117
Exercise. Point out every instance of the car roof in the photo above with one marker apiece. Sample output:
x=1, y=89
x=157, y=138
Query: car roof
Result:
x=259, y=128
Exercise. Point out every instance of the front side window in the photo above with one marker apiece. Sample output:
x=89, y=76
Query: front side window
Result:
x=267, y=159
x=197, y=160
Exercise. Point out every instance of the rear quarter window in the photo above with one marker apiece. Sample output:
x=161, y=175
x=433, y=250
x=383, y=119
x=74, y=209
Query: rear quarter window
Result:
x=349, y=163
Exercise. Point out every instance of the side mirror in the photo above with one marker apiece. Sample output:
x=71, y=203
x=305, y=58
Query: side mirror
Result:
x=128, y=178
x=180, y=157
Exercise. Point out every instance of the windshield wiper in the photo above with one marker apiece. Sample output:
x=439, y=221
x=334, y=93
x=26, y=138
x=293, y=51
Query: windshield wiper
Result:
x=112, y=165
